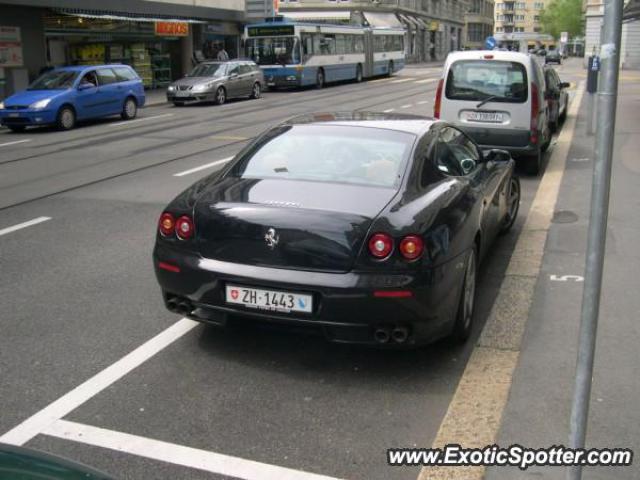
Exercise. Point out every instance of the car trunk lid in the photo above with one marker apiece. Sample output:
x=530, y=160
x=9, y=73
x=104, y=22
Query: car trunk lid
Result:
x=287, y=224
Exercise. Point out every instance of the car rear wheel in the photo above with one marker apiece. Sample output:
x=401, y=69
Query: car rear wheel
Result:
x=130, y=109
x=513, y=205
x=533, y=163
x=17, y=128
x=464, y=316
x=66, y=119
x=256, y=91
x=221, y=96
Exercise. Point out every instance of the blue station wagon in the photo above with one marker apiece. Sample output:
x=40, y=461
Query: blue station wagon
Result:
x=65, y=95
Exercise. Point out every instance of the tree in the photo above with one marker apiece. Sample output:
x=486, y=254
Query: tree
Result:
x=562, y=16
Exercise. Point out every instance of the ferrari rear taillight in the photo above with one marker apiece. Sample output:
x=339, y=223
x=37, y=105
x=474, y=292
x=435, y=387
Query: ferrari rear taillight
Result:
x=184, y=227
x=166, y=224
x=411, y=247
x=437, y=104
x=380, y=245
x=535, y=111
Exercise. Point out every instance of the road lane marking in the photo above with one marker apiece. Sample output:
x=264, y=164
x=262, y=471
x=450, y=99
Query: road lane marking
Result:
x=20, y=226
x=61, y=407
x=474, y=415
x=379, y=80
x=407, y=106
x=402, y=80
x=389, y=110
x=217, y=463
x=202, y=167
x=14, y=143
x=144, y=119
x=427, y=80
x=423, y=102
x=566, y=278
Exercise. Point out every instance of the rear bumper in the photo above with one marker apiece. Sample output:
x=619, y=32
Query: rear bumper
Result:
x=516, y=142
x=27, y=117
x=344, y=306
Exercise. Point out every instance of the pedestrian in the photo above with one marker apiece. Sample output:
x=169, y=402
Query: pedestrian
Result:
x=223, y=56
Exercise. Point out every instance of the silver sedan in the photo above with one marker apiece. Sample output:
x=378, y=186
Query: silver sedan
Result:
x=217, y=82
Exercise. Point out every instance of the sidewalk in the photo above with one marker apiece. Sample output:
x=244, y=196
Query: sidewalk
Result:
x=156, y=97
x=538, y=410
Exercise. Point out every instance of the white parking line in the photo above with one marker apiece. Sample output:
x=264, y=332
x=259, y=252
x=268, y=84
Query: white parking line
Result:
x=20, y=226
x=402, y=80
x=144, y=119
x=428, y=80
x=225, y=465
x=202, y=167
x=422, y=102
x=53, y=412
x=14, y=143
x=389, y=110
x=407, y=106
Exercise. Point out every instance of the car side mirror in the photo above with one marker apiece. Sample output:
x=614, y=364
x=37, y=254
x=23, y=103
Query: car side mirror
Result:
x=564, y=85
x=496, y=155
x=233, y=75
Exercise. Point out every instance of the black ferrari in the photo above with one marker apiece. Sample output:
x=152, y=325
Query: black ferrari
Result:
x=366, y=226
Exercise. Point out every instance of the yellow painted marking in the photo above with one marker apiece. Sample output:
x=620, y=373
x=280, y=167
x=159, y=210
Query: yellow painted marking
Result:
x=228, y=137
x=475, y=413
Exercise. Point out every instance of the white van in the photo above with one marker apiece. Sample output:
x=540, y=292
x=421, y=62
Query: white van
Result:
x=498, y=99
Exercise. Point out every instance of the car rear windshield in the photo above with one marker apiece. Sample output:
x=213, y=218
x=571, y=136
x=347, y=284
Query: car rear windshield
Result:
x=329, y=153
x=477, y=80
x=54, y=80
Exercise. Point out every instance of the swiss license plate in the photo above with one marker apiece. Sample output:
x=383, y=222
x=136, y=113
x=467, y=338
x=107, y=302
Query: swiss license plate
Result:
x=492, y=117
x=273, y=300
x=14, y=115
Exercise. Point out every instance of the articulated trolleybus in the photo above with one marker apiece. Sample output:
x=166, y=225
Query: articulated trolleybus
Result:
x=295, y=54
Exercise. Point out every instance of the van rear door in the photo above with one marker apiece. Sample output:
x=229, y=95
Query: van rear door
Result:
x=489, y=98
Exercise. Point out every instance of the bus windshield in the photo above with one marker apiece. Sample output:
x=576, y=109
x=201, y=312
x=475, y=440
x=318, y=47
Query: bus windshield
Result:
x=274, y=50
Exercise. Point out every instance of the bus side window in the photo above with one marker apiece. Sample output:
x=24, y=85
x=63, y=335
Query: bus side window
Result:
x=307, y=45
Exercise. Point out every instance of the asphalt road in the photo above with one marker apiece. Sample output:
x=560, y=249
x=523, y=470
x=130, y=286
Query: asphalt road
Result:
x=78, y=294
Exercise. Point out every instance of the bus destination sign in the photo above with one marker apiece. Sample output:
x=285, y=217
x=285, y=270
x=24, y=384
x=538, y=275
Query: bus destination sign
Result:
x=270, y=31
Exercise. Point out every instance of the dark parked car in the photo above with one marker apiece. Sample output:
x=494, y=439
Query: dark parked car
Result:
x=217, y=82
x=553, y=57
x=367, y=226
x=557, y=98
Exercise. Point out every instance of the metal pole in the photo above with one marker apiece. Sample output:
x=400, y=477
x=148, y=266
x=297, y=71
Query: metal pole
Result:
x=607, y=96
x=590, y=109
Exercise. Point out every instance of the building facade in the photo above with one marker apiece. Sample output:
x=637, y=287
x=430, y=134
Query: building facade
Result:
x=630, y=38
x=517, y=24
x=160, y=39
x=479, y=23
x=434, y=27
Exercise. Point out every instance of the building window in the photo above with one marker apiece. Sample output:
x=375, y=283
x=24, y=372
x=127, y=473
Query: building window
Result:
x=537, y=29
x=499, y=6
x=499, y=29
x=519, y=29
x=538, y=5
x=520, y=18
x=536, y=18
x=521, y=5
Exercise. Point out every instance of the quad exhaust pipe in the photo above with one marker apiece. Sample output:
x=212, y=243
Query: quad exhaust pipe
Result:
x=179, y=305
x=397, y=334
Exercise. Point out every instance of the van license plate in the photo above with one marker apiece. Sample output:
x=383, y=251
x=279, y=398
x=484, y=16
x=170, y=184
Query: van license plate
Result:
x=274, y=300
x=489, y=117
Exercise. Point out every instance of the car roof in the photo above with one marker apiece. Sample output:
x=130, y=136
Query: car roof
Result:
x=80, y=68
x=414, y=124
x=496, y=54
